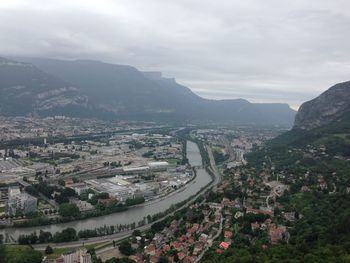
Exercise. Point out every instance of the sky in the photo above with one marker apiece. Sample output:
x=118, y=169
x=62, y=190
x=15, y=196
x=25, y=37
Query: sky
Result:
x=264, y=51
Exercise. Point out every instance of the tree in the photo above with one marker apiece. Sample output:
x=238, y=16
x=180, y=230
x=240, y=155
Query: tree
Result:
x=48, y=250
x=68, y=210
x=134, y=201
x=45, y=237
x=31, y=190
x=68, y=234
x=125, y=248
x=136, y=233
x=2, y=250
x=23, y=255
x=163, y=259
x=28, y=239
x=61, y=182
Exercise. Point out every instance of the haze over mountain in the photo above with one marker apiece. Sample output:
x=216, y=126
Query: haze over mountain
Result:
x=123, y=92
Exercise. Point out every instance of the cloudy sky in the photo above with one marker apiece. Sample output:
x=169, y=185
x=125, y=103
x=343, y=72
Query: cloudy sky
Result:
x=264, y=51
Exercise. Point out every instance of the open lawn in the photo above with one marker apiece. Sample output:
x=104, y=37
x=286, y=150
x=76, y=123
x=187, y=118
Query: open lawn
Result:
x=173, y=161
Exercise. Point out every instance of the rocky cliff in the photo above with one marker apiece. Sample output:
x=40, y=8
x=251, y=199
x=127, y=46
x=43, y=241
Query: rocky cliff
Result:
x=331, y=106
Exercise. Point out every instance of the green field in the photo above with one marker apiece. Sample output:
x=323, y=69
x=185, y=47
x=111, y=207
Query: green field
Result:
x=173, y=161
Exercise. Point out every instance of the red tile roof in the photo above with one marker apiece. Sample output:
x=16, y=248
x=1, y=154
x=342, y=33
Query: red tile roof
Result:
x=224, y=245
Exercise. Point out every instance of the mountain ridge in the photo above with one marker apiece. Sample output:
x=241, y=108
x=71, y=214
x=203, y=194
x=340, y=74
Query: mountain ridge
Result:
x=123, y=92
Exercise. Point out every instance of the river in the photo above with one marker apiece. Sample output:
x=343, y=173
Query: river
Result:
x=133, y=214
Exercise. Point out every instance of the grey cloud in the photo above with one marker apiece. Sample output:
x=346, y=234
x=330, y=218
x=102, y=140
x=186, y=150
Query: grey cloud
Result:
x=268, y=51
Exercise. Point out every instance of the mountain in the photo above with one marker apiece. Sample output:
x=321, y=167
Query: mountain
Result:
x=118, y=91
x=322, y=122
x=331, y=106
x=24, y=89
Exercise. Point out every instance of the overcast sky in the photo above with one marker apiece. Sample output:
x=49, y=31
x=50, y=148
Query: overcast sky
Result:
x=263, y=51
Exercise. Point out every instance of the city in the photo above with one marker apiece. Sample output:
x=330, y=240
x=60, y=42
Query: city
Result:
x=174, y=131
x=81, y=177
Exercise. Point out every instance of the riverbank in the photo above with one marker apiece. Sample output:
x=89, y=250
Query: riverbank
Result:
x=136, y=213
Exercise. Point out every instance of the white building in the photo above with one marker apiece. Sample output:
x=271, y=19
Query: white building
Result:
x=20, y=202
x=79, y=188
x=80, y=256
x=158, y=166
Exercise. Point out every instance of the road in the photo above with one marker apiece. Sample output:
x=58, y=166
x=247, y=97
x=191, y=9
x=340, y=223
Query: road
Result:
x=214, y=237
x=213, y=168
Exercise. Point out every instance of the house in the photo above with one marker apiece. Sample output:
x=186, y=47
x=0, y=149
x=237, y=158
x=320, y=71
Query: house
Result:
x=276, y=234
x=150, y=250
x=189, y=259
x=203, y=237
x=228, y=234
x=198, y=247
x=238, y=215
x=68, y=182
x=181, y=255
x=255, y=226
x=224, y=245
x=166, y=248
x=155, y=257
x=136, y=258
x=259, y=211
x=177, y=245
x=228, y=203
x=193, y=229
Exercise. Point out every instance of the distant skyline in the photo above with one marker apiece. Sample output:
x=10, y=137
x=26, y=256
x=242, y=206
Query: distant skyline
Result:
x=262, y=51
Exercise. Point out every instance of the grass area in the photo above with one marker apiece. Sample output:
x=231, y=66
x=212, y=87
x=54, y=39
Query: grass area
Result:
x=217, y=149
x=16, y=248
x=2, y=209
x=173, y=161
x=103, y=245
x=43, y=204
x=344, y=136
x=57, y=252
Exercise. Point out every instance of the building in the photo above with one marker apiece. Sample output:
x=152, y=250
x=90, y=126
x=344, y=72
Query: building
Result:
x=158, y=166
x=80, y=256
x=20, y=202
x=3, y=194
x=224, y=245
x=84, y=206
x=79, y=188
